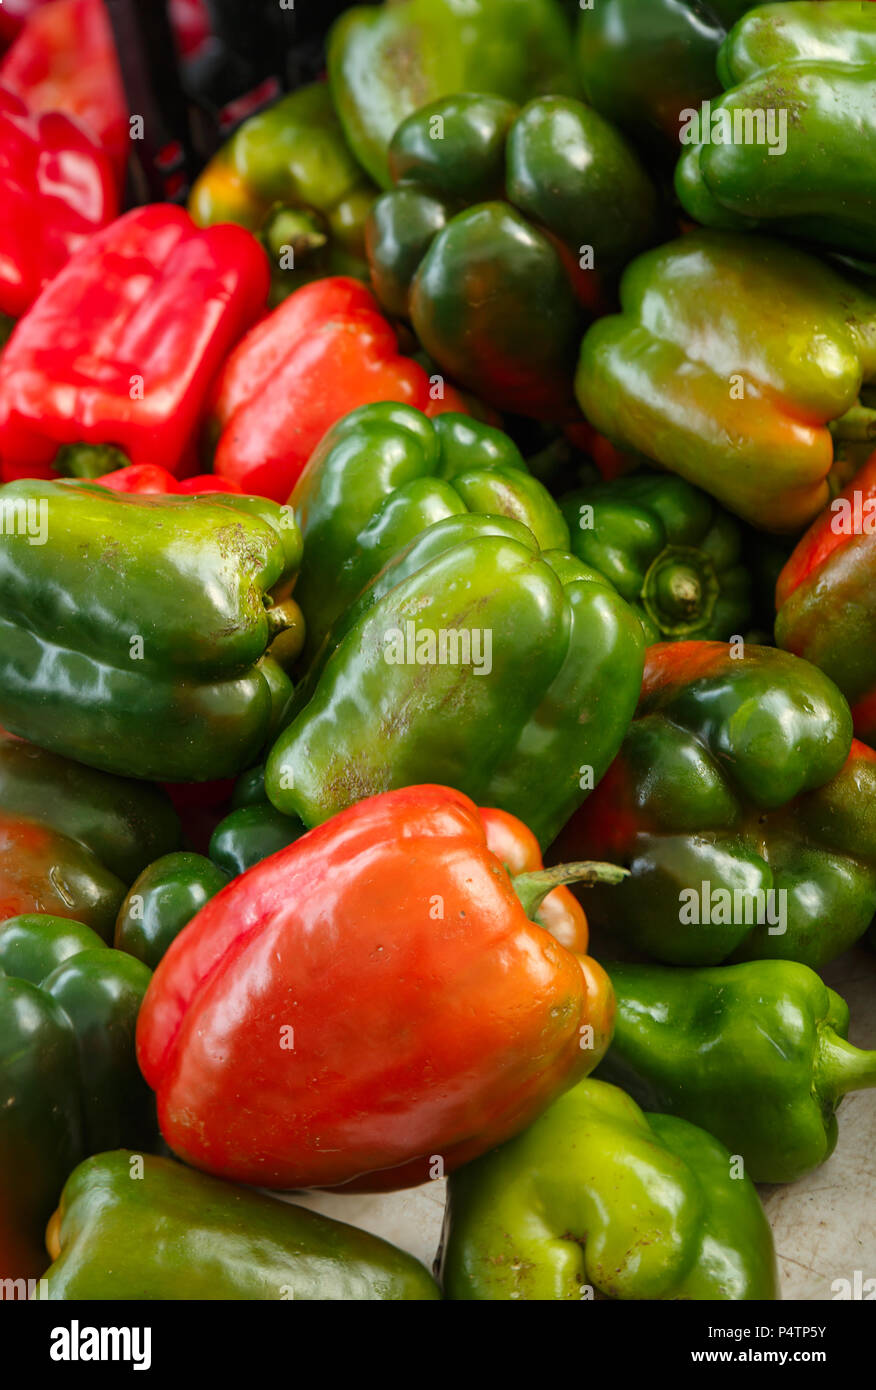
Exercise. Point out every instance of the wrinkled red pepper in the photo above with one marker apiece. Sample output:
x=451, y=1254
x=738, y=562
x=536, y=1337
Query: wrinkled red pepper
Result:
x=56, y=190
x=64, y=59
x=121, y=348
x=325, y=351
x=371, y=999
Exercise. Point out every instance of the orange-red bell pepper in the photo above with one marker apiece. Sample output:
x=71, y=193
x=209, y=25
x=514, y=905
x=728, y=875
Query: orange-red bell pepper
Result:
x=325, y=351
x=373, y=1003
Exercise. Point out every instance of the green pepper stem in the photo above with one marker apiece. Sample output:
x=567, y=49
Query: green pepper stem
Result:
x=533, y=888
x=842, y=1067
x=89, y=460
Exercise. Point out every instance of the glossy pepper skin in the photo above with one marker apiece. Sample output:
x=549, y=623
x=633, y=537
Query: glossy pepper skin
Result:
x=54, y=178
x=826, y=598
x=410, y=884
x=249, y=834
x=737, y=776
x=73, y=838
x=502, y=237
x=751, y=417
x=540, y=678
x=120, y=349
x=287, y=174
x=151, y=480
x=380, y=477
x=162, y=900
x=70, y=1084
x=64, y=60
x=641, y=64
x=669, y=550
x=823, y=186
x=167, y=615
x=754, y=1053
x=598, y=1200
x=325, y=351
x=163, y=1232
x=385, y=62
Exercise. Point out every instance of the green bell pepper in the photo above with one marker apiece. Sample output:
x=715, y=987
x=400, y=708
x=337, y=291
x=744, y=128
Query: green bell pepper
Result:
x=162, y=901
x=737, y=362
x=792, y=149
x=70, y=1082
x=598, y=1200
x=642, y=62
x=287, y=174
x=73, y=838
x=667, y=548
x=135, y=1227
x=385, y=61
x=743, y=809
x=169, y=893
x=380, y=477
x=166, y=614
x=472, y=660
x=249, y=834
x=506, y=230
x=754, y=1053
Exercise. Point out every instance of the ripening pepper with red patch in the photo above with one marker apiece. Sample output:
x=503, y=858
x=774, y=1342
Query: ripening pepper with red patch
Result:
x=64, y=59
x=56, y=189
x=826, y=597
x=324, y=352
x=72, y=838
x=743, y=808
x=383, y=995
x=113, y=363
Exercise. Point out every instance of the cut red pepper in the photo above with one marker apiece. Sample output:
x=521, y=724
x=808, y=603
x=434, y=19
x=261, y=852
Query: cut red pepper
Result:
x=64, y=59
x=119, y=351
x=325, y=351
x=56, y=189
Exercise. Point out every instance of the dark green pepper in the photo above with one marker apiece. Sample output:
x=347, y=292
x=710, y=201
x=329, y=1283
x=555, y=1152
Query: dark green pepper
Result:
x=472, y=660
x=743, y=809
x=755, y=1053
x=70, y=1082
x=506, y=230
x=381, y=476
x=73, y=838
x=167, y=614
x=250, y=834
x=139, y=1227
x=288, y=175
x=642, y=62
x=162, y=901
x=669, y=550
x=385, y=61
x=792, y=148
x=598, y=1200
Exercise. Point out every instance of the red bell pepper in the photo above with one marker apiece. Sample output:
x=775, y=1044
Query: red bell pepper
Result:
x=64, y=59
x=325, y=351
x=150, y=479
x=826, y=597
x=369, y=1000
x=56, y=190
x=13, y=17
x=122, y=346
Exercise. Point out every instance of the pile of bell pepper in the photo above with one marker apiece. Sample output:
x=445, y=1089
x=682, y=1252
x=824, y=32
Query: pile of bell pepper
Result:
x=451, y=533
